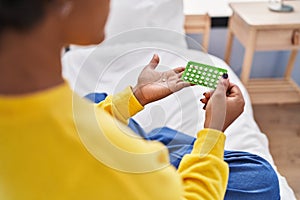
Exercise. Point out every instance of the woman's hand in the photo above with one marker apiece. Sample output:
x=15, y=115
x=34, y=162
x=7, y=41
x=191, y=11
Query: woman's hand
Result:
x=223, y=105
x=153, y=85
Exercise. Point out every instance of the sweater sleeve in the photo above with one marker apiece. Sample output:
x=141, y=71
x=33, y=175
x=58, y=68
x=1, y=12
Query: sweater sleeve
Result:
x=121, y=106
x=203, y=171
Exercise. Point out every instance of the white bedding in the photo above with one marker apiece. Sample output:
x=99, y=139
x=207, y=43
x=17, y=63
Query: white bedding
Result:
x=116, y=64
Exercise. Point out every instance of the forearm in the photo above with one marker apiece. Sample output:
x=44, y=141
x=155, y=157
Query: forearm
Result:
x=204, y=173
x=122, y=105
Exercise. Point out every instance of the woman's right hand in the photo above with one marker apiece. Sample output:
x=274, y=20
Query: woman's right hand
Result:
x=223, y=105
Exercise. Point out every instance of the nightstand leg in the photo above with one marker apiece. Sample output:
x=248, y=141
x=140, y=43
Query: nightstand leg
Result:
x=228, y=46
x=248, y=57
x=206, y=32
x=290, y=65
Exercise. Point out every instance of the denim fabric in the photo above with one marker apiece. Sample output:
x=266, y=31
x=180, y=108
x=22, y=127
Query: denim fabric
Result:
x=250, y=176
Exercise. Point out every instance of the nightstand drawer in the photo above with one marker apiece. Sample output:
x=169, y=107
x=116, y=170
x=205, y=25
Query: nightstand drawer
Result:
x=278, y=39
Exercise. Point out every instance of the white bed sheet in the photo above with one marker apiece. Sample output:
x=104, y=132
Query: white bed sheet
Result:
x=116, y=64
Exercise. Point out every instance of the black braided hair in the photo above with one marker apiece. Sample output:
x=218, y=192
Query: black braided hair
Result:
x=21, y=14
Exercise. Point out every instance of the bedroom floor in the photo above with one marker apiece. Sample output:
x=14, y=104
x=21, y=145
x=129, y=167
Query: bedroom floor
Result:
x=281, y=123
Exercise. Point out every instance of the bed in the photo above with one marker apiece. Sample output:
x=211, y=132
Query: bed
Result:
x=135, y=31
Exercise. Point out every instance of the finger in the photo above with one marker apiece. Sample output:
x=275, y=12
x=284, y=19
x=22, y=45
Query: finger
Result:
x=154, y=61
x=204, y=100
x=217, y=105
x=233, y=90
x=208, y=94
x=180, y=74
x=223, y=85
x=179, y=69
x=182, y=84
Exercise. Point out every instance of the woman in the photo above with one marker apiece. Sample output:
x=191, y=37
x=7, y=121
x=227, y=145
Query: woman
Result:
x=52, y=146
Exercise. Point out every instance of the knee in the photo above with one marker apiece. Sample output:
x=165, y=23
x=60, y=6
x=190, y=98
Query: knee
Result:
x=251, y=177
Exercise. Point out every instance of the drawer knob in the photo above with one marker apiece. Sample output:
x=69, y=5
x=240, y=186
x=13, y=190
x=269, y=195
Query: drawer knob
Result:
x=296, y=37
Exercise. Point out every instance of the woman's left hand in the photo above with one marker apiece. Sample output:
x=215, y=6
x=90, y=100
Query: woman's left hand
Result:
x=153, y=85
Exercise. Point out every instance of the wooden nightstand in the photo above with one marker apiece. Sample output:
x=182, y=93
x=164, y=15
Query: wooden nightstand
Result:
x=199, y=24
x=259, y=29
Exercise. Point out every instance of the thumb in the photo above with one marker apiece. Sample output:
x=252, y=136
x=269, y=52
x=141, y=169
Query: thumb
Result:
x=216, y=108
x=223, y=84
x=154, y=61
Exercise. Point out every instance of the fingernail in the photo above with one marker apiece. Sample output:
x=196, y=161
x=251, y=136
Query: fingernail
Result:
x=225, y=76
x=201, y=100
x=204, y=93
x=204, y=107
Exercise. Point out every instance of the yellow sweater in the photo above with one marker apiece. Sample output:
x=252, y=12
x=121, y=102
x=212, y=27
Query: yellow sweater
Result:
x=56, y=146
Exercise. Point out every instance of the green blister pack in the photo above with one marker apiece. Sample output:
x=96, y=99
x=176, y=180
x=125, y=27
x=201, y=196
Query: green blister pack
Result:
x=202, y=74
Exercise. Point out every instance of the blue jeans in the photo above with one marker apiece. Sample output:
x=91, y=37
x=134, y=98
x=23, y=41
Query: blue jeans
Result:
x=250, y=176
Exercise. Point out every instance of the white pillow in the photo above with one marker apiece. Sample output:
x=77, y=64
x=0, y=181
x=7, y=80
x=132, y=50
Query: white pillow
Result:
x=126, y=15
x=145, y=20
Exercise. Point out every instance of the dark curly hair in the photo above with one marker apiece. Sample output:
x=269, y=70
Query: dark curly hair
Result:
x=21, y=14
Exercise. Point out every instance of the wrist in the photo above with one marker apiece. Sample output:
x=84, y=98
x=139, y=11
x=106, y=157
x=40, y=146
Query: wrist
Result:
x=137, y=92
x=212, y=125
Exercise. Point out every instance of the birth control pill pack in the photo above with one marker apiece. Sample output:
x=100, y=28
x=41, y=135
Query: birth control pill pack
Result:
x=202, y=74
